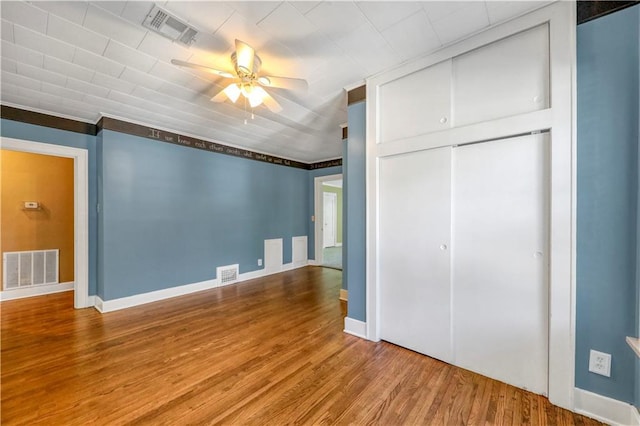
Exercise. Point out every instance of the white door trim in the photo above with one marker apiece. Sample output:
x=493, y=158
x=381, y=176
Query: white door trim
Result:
x=81, y=213
x=560, y=119
x=317, y=211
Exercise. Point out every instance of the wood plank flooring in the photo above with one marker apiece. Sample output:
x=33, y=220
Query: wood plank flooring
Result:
x=266, y=351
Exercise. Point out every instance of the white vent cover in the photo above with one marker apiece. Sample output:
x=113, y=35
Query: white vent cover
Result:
x=299, y=250
x=227, y=274
x=161, y=22
x=29, y=268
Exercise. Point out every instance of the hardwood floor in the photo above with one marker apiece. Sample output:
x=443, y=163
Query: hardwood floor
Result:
x=267, y=351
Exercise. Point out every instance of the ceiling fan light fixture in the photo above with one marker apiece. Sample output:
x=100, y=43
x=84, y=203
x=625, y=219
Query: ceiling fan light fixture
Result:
x=257, y=96
x=233, y=92
x=253, y=93
x=255, y=100
x=246, y=90
x=248, y=83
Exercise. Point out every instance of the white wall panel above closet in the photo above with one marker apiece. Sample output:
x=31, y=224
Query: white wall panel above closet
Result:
x=416, y=104
x=505, y=78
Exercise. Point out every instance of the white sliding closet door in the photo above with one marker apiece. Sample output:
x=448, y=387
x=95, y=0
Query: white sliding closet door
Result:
x=415, y=217
x=500, y=260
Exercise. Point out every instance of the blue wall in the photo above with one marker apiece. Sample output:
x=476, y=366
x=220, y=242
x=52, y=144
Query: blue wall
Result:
x=169, y=215
x=311, y=239
x=354, y=190
x=637, y=298
x=173, y=214
x=607, y=216
x=637, y=334
x=17, y=130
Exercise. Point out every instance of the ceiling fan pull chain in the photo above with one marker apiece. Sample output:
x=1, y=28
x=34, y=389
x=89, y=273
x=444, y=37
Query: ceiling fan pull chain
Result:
x=245, y=110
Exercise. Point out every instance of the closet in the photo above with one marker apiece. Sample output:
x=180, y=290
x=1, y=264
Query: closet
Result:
x=461, y=159
x=463, y=256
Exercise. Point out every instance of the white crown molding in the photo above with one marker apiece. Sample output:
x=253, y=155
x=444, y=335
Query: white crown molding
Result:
x=53, y=114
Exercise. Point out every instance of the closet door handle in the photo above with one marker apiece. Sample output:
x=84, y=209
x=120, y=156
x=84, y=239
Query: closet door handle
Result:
x=443, y=247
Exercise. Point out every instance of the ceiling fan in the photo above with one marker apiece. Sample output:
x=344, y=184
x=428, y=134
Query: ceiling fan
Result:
x=247, y=81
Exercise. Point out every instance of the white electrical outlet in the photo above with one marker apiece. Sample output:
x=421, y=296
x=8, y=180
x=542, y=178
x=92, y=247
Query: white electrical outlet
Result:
x=259, y=262
x=600, y=363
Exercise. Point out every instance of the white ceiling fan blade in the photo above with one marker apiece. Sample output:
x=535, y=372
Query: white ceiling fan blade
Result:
x=297, y=84
x=269, y=102
x=202, y=68
x=220, y=97
x=244, y=56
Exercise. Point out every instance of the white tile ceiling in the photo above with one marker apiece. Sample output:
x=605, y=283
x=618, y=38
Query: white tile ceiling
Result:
x=83, y=59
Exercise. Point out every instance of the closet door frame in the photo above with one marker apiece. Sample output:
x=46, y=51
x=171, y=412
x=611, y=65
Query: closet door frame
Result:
x=559, y=120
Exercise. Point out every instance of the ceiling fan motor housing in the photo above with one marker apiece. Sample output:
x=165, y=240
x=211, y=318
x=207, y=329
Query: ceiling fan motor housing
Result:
x=243, y=73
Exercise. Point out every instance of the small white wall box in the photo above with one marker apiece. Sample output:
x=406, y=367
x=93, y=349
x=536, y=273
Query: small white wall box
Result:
x=31, y=205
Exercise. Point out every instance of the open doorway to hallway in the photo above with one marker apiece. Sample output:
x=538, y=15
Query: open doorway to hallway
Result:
x=44, y=220
x=37, y=224
x=328, y=221
x=332, y=224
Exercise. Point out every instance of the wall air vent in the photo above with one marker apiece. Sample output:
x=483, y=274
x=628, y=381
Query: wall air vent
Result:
x=227, y=274
x=161, y=22
x=29, y=268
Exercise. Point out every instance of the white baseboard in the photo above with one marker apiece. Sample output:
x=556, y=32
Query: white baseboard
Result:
x=39, y=290
x=356, y=327
x=167, y=293
x=262, y=273
x=91, y=301
x=290, y=267
x=312, y=262
x=344, y=294
x=152, y=296
x=338, y=244
x=604, y=409
x=97, y=304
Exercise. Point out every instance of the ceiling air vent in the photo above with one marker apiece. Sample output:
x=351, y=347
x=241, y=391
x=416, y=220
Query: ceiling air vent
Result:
x=161, y=22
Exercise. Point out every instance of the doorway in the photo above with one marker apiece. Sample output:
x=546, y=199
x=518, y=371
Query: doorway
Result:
x=328, y=221
x=80, y=214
